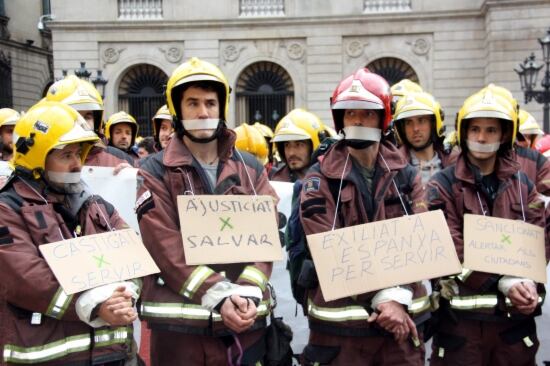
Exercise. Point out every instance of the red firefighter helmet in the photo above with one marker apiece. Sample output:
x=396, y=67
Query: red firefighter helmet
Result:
x=362, y=90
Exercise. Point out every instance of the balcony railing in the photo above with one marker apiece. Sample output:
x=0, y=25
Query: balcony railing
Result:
x=387, y=6
x=262, y=8
x=139, y=9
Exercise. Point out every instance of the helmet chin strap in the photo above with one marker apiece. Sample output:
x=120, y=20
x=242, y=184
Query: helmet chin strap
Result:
x=203, y=124
x=359, y=137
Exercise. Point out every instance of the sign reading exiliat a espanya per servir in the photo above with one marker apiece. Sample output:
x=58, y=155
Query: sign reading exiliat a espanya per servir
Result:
x=369, y=257
x=229, y=229
x=90, y=261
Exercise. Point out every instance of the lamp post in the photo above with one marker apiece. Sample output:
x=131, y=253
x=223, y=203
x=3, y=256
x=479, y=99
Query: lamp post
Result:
x=99, y=81
x=528, y=73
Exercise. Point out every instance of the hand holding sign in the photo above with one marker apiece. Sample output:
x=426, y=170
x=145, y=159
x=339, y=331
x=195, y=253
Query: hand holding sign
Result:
x=238, y=313
x=118, y=309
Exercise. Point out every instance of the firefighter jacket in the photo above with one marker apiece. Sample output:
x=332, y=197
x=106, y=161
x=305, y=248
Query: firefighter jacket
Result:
x=107, y=156
x=457, y=190
x=447, y=158
x=171, y=300
x=282, y=173
x=348, y=316
x=40, y=323
x=536, y=166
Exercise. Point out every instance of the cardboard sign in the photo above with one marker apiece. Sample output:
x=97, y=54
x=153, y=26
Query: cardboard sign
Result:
x=369, y=257
x=229, y=229
x=94, y=260
x=504, y=246
x=119, y=190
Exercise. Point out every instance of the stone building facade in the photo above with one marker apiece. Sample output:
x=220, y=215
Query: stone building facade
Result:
x=26, y=63
x=280, y=54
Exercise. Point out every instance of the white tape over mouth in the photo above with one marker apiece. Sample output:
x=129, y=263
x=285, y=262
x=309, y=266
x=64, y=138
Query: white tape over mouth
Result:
x=362, y=133
x=63, y=178
x=483, y=148
x=200, y=124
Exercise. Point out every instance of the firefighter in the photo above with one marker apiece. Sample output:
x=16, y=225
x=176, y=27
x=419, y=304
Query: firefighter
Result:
x=297, y=136
x=418, y=121
x=199, y=314
x=485, y=318
x=376, y=327
x=121, y=131
x=45, y=201
x=84, y=97
x=529, y=130
x=162, y=127
x=8, y=118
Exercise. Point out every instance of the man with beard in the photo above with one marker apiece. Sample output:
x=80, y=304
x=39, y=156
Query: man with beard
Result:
x=43, y=202
x=8, y=118
x=418, y=120
x=372, y=182
x=296, y=137
x=200, y=314
x=121, y=131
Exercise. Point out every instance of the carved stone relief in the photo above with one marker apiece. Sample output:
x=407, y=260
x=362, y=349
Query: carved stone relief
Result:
x=172, y=54
x=231, y=53
x=111, y=55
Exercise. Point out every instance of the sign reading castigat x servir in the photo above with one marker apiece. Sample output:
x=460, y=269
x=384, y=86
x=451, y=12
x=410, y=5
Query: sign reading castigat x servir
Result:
x=369, y=257
x=229, y=229
x=94, y=260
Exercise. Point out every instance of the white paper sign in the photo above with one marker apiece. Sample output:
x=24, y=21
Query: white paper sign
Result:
x=119, y=190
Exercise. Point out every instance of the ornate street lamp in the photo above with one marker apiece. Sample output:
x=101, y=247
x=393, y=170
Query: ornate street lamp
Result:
x=528, y=73
x=99, y=82
x=83, y=72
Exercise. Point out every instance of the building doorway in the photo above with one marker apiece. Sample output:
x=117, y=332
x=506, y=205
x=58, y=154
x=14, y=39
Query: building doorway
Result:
x=265, y=93
x=141, y=93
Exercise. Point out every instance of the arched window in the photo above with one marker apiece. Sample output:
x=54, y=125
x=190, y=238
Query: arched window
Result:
x=265, y=93
x=6, y=99
x=393, y=70
x=141, y=93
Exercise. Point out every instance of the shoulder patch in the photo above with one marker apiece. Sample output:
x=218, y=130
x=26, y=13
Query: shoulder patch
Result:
x=311, y=184
x=144, y=197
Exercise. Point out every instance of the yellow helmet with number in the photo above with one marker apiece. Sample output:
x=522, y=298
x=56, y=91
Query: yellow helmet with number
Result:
x=191, y=71
x=300, y=124
x=79, y=94
x=251, y=140
x=121, y=117
x=297, y=125
x=47, y=126
x=418, y=104
x=8, y=117
x=489, y=102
